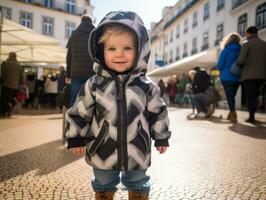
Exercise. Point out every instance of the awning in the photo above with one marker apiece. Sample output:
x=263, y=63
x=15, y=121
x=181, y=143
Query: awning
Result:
x=30, y=46
x=204, y=59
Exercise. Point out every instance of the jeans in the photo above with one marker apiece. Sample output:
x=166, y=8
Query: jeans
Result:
x=230, y=89
x=75, y=87
x=107, y=180
x=199, y=101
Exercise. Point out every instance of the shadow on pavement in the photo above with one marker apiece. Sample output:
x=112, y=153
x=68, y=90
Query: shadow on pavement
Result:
x=214, y=118
x=45, y=158
x=258, y=131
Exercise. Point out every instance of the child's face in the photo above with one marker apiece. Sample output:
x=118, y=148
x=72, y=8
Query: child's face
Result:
x=120, y=52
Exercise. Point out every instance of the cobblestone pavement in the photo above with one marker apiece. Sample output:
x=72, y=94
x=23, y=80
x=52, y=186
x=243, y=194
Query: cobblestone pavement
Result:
x=208, y=159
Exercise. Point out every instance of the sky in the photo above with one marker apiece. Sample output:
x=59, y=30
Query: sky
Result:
x=148, y=10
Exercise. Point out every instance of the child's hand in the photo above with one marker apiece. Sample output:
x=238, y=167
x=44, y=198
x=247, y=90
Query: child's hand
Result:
x=78, y=151
x=161, y=149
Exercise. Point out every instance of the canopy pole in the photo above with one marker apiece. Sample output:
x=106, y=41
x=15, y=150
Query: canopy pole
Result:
x=1, y=26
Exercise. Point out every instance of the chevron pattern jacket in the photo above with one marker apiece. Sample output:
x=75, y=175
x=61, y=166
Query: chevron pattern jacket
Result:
x=116, y=116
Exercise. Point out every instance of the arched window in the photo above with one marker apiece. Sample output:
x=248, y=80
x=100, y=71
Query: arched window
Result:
x=242, y=24
x=261, y=16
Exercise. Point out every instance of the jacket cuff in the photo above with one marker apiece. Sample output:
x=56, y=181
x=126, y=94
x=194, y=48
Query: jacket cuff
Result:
x=161, y=143
x=76, y=142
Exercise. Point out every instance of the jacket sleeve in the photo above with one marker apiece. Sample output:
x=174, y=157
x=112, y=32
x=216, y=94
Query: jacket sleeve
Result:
x=79, y=118
x=221, y=61
x=68, y=58
x=158, y=117
x=243, y=54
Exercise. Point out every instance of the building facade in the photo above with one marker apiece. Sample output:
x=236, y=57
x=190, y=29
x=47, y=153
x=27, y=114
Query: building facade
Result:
x=54, y=18
x=192, y=26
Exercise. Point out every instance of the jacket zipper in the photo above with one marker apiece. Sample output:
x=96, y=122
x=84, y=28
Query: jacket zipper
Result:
x=122, y=126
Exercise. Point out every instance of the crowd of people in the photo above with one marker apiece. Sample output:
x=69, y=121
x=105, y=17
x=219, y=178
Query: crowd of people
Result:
x=27, y=89
x=196, y=86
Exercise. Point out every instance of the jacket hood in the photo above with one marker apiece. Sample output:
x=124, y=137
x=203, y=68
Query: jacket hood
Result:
x=85, y=25
x=233, y=47
x=133, y=22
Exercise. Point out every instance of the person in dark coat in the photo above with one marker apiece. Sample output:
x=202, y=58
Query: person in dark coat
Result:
x=200, y=81
x=12, y=76
x=253, y=61
x=79, y=63
x=230, y=81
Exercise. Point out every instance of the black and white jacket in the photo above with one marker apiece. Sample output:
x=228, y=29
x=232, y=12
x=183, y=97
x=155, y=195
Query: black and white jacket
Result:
x=116, y=116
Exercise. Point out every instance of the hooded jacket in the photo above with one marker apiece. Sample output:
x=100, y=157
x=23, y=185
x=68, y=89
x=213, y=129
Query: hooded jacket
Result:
x=117, y=115
x=227, y=57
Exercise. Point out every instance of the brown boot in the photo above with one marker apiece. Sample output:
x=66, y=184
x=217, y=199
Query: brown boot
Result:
x=132, y=195
x=106, y=195
x=232, y=116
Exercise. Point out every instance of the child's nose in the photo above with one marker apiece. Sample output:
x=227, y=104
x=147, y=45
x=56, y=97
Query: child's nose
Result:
x=120, y=53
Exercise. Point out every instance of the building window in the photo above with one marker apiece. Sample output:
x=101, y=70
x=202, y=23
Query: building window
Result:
x=206, y=11
x=6, y=12
x=194, y=46
x=242, y=24
x=171, y=36
x=70, y=6
x=205, y=41
x=177, y=32
x=48, y=26
x=185, y=50
x=177, y=56
x=219, y=34
x=195, y=19
x=165, y=58
x=166, y=39
x=261, y=16
x=26, y=19
x=171, y=56
x=70, y=27
x=48, y=3
x=220, y=4
x=185, y=25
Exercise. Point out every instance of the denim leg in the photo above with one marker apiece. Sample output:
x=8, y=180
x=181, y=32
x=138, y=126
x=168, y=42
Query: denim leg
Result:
x=199, y=101
x=105, y=180
x=230, y=89
x=75, y=87
x=136, y=180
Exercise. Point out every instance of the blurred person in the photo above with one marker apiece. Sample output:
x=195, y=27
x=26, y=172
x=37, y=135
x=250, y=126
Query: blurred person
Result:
x=61, y=78
x=51, y=90
x=171, y=89
x=162, y=87
x=200, y=81
x=119, y=142
x=253, y=61
x=79, y=64
x=12, y=76
x=31, y=83
x=228, y=56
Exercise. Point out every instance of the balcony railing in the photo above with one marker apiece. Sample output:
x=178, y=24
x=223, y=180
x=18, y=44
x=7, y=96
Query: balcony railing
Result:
x=204, y=47
x=237, y=3
x=194, y=51
x=180, y=13
x=59, y=6
x=184, y=55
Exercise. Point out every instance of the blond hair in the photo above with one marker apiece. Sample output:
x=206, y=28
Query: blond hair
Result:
x=231, y=38
x=115, y=29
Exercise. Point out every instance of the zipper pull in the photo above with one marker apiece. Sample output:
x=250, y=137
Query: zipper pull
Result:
x=120, y=92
